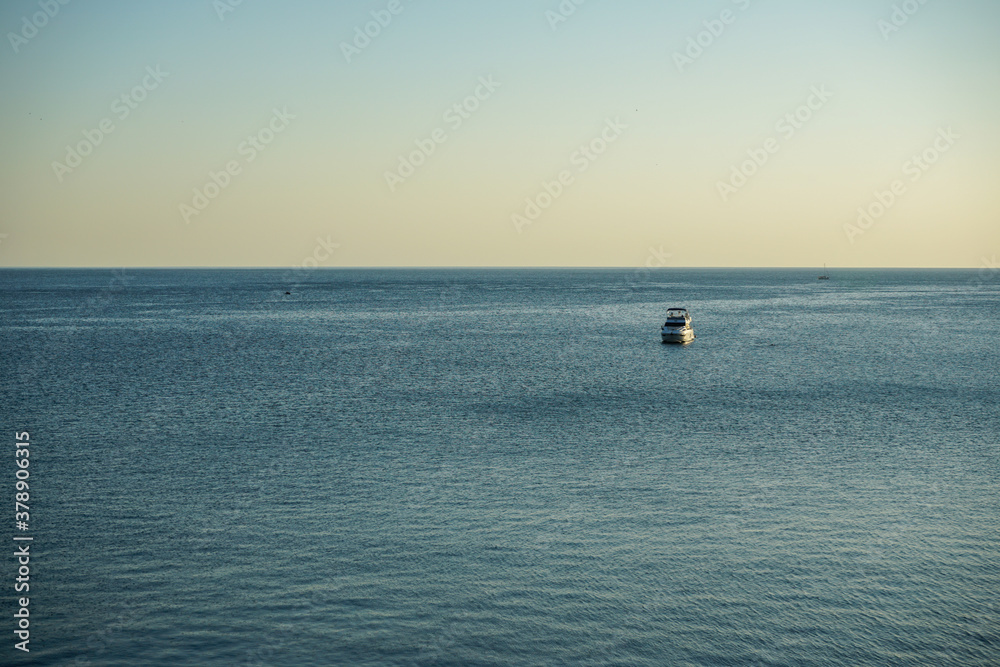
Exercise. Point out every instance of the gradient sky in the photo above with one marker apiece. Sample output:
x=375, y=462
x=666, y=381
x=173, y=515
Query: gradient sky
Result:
x=319, y=188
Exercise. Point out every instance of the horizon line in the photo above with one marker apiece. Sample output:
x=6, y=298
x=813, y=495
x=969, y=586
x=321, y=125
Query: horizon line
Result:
x=471, y=267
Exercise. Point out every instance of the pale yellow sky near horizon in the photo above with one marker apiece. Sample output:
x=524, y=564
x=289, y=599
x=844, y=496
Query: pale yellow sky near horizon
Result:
x=401, y=133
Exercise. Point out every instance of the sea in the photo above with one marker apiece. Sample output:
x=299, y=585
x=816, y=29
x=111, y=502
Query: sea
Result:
x=503, y=467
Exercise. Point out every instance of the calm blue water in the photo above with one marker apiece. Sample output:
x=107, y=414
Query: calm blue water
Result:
x=493, y=467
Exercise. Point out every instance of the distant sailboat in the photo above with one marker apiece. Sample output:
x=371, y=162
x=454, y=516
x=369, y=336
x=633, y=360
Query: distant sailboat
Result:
x=826, y=275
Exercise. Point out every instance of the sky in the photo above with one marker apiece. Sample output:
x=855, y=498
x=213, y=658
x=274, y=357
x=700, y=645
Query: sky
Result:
x=743, y=133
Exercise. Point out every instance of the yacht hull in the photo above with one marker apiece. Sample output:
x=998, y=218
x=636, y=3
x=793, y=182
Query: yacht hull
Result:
x=677, y=336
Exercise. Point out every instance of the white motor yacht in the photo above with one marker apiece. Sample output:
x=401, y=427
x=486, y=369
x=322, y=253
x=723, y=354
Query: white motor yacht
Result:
x=677, y=328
